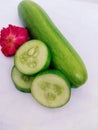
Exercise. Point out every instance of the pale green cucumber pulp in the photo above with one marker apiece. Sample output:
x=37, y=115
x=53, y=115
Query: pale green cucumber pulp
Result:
x=32, y=57
x=51, y=89
x=21, y=81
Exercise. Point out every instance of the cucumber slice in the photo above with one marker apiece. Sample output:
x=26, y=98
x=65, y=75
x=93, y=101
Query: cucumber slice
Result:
x=21, y=81
x=32, y=57
x=51, y=89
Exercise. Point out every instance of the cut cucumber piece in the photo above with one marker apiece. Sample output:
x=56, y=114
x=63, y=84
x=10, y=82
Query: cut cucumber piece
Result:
x=51, y=89
x=21, y=81
x=32, y=57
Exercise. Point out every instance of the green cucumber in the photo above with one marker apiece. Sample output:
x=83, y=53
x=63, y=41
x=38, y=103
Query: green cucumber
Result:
x=21, y=81
x=32, y=57
x=51, y=89
x=64, y=56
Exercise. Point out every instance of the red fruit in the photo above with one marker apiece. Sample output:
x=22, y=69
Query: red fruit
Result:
x=11, y=38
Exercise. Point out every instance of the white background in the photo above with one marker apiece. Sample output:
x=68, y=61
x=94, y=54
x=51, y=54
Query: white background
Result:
x=78, y=21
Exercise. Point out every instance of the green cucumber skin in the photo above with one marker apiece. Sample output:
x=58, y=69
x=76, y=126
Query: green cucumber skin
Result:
x=60, y=74
x=22, y=90
x=64, y=56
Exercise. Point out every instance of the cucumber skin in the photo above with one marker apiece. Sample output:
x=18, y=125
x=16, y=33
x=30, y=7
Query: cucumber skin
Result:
x=22, y=90
x=64, y=56
x=60, y=74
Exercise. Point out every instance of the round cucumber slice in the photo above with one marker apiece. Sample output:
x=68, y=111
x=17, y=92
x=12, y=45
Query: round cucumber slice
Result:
x=32, y=57
x=51, y=89
x=21, y=81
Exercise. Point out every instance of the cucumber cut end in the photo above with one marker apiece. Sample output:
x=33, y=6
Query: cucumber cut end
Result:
x=32, y=57
x=22, y=82
x=50, y=89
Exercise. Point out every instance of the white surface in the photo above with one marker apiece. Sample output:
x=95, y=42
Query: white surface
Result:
x=78, y=21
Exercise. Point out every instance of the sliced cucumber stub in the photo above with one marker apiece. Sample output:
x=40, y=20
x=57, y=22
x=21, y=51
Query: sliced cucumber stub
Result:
x=32, y=57
x=51, y=89
x=21, y=81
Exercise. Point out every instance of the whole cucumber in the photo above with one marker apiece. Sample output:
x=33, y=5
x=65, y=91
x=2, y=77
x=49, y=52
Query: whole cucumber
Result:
x=64, y=56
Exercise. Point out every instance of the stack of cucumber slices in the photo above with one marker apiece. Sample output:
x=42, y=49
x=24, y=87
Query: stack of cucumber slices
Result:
x=31, y=73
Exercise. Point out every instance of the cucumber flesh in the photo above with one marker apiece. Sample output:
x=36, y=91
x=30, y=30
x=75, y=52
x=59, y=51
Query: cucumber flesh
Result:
x=32, y=57
x=51, y=89
x=21, y=81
